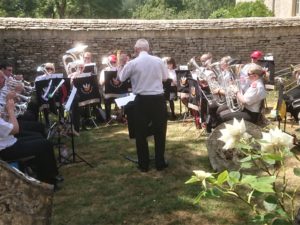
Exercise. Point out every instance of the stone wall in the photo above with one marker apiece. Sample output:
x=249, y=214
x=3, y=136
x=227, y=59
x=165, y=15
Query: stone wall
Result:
x=30, y=42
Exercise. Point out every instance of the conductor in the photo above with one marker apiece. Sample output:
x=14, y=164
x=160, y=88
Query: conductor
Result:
x=146, y=73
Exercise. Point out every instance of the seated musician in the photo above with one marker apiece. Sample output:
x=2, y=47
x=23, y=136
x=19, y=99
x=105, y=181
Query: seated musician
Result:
x=251, y=99
x=75, y=108
x=12, y=148
x=173, y=89
x=25, y=125
x=108, y=101
x=49, y=69
x=206, y=110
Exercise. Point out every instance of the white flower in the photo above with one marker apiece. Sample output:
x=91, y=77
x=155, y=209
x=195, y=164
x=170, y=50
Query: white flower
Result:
x=201, y=175
x=276, y=138
x=233, y=133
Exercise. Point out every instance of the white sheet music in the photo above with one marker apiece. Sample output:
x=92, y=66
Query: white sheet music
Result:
x=71, y=98
x=124, y=100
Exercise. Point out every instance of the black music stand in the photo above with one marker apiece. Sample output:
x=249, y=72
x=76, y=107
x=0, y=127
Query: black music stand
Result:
x=74, y=155
x=114, y=90
x=87, y=92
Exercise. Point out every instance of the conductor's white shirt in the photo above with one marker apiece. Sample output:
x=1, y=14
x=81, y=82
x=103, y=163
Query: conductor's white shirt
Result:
x=146, y=73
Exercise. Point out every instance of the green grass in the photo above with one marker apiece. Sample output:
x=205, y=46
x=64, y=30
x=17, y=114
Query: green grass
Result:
x=115, y=192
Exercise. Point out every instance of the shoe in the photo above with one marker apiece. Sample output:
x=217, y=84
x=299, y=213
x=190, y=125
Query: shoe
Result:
x=143, y=170
x=164, y=166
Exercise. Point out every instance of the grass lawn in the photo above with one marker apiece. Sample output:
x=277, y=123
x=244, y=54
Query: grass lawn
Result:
x=115, y=192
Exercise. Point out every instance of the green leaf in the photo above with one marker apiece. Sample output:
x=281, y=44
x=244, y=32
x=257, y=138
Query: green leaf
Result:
x=297, y=171
x=280, y=221
x=200, y=196
x=248, y=179
x=192, y=180
x=246, y=165
x=264, y=184
x=276, y=157
x=246, y=159
x=222, y=177
x=270, y=203
x=233, y=178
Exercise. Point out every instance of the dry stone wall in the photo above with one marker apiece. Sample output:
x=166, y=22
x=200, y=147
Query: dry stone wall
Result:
x=28, y=43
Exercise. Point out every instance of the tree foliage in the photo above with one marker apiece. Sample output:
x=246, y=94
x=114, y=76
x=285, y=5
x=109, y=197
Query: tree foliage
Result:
x=243, y=9
x=139, y=9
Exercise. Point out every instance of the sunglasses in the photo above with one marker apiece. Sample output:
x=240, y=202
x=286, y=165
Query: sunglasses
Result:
x=49, y=68
x=249, y=74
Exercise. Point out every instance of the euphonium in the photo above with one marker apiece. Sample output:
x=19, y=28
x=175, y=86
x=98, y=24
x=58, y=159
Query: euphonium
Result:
x=231, y=84
x=214, y=81
x=72, y=56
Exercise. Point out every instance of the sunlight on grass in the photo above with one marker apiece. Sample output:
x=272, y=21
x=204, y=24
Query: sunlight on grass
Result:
x=115, y=192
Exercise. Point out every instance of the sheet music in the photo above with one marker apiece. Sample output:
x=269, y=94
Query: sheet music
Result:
x=47, y=91
x=124, y=100
x=71, y=98
x=58, y=86
x=83, y=75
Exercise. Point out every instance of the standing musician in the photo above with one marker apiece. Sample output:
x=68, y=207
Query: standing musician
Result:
x=171, y=64
x=12, y=148
x=108, y=100
x=147, y=73
x=252, y=98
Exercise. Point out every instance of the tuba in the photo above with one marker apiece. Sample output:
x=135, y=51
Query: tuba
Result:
x=72, y=57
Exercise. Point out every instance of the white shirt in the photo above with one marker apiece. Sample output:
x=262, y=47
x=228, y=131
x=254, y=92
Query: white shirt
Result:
x=6, y=140
x=254, y=95
x=172, y=76
x=146, y=73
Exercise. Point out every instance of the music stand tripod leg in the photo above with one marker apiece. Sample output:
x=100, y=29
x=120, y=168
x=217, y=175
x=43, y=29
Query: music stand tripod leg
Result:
x=74, y=154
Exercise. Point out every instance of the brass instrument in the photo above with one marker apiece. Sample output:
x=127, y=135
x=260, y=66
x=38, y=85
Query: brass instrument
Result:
x=72, y=58
x=231, y=83
x=214, y=81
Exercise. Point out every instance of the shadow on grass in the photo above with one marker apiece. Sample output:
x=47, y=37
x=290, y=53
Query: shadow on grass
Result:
x=115, y=192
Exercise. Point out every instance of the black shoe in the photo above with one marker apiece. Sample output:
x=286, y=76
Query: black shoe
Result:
x=164, y=166
x=143, y=170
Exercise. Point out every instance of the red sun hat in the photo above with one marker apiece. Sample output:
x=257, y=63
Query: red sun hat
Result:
x=256, y=55
x=112, y=58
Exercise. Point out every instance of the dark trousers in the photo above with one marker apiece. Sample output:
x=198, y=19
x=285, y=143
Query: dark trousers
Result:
x=41, y=149
x=150, y=109
x=247, y=115
x=32, y=126
x=107, y=104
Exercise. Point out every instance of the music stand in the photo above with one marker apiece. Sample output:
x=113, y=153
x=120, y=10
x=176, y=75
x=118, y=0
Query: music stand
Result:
x=113, y=90
x=87, y=91
x=68, y=108
x=90, y=68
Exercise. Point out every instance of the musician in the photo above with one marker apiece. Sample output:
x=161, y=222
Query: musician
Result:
x=75, y=108
x=146, y=73
x=24, y=124
x=206, y=111
x=255, y=57
x=252, y=99
x=49, y=69
x=171, y=64
x=87, y=57
x=108, y=101
x=7, y=69
x=12, y=148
